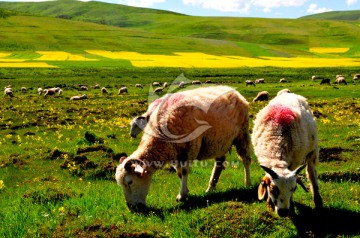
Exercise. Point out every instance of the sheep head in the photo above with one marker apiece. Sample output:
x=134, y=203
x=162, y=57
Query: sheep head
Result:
x=137, y=125
x=133, y=177
x=279, y=189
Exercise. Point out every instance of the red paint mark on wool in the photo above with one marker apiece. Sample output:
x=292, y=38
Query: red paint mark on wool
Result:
x=173, y=99
x=281, y=115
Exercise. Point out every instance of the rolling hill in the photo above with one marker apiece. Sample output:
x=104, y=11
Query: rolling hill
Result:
x=336, y=16
x=76, y=26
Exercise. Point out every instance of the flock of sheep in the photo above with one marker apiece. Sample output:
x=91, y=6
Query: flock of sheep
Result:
x=205, y=123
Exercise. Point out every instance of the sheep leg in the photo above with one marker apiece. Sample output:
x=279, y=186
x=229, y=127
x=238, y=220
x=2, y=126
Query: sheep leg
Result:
x=311, y=174
x=218, y=167
x=183, y=171
x=242, y=144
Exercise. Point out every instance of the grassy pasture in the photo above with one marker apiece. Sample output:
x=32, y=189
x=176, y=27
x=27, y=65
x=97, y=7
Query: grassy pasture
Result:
x=57, y=159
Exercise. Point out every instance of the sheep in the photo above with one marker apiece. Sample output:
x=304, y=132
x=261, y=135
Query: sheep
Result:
x=8, y=92
x=249, y=82
x=96, y=86
x=285, y=141
x=261, y=96
x=50, y=91
x=325, y=81
x=138, y=123
x=285, y=90
x=138, y=85
x=60, y=92
x=156, y=84
x=182, y=84
x=208, y=81
x=282, y=80
x=341, y=80
x=40, y=91
x=314, y=77
x=165, y=85
x=158, y=90
x=23, y=89
x=356, y=77
x=84, y=88
x=196, y=82
x=257, y=81
x=84, y=96
x=123, y=90
x=222, y=114
x=104, y=90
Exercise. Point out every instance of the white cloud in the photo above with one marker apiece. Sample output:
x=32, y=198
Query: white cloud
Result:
x=313, y=8
x=351, y=2
x=244, y=6
x=140, y=3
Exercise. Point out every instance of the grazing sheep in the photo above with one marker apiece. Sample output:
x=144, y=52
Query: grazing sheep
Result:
x=138, y=123
x=208, y=81
x=104, y=90
x=158, y=90
x=156, y=84
x=39, y=90
x=257, y=81
x=249, y=82
x=123, y=90
x=283, y=80
x=356, y=77
x=182, y=84
x=23, y=89
x=285, y=140
x=196, y=82
x=285, y=90
x=341, y=80
x=96, y=86
x=138, y=85
x=50, y=91
x=325, y=81
x=261, y=96
x=84, y=96
x=84, y=88
x=191, y=125
x=60, y=92
x=8, y=92
x=165, y=85
x=314, y=77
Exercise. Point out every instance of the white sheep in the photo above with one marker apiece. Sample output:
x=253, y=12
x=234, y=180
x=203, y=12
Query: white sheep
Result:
x=138, y=85
x=282, y=80
x=84, y=96
x=191, y=125
x=156, y=84
x=285, y=90
x=23, y=89
x=49, y=91
x=122, y=90
x=196, y=82
x=285, y=140
x=158, y=90
x=261, y=96
x=257, y=81
x=8, y=92
x=104, y=90
x=39, y=90
x=249, y=82
x=182, y=84
x=356, y=77
x=165, y=85
x=341, y=80
x=84, y=88
x=60, y=91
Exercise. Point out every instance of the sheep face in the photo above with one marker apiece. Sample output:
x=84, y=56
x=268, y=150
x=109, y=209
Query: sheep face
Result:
x=279, y=189
x=135, y=181
x=137, y=125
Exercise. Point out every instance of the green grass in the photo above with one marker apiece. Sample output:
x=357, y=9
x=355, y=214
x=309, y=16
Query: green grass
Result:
x=52, y=191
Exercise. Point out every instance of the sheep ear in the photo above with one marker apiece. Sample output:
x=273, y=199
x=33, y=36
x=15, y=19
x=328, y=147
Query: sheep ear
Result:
x=262, y=189
x=271, y=172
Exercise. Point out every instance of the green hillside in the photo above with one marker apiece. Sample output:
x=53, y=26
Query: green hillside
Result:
x=336, y=15
x=74, y=25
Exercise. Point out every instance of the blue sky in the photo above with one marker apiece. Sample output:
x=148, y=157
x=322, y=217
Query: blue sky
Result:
x=243, y=8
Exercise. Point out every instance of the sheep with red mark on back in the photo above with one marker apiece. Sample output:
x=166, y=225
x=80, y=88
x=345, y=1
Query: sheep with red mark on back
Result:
x=285, y=140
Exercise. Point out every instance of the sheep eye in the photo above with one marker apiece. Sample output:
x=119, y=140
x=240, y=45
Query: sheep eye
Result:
x=275, y=191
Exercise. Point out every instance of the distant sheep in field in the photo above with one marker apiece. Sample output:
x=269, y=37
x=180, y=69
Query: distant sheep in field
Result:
x=182, y=85
x=156, y=84
x=285, y=90
x=123, y=90
x=51, y=91
x=325, y=81
x=165, y=85
x=104, y=90
x=261, y=96
x=84, y=96
x=196, y=82
x=285, y=140
x=249, y=82
x=84, y=88
x=158, y=90
x=138, y=85
x=23, y=89
x=8, y=92
x=356, y=77
x=96, y=86
x=257, y=81
x=223, y=124
x=341, y=80
x=208, y=81
x=60, y=91
x=314, y=77
x=282, y=80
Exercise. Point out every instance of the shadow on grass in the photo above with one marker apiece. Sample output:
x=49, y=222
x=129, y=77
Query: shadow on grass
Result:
x=246, y=195
x=330, y=222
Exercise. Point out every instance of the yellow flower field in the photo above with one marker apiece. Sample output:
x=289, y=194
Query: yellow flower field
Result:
x=26, y=65
x=201, y=60
x=328, y=50
x=60, y=56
